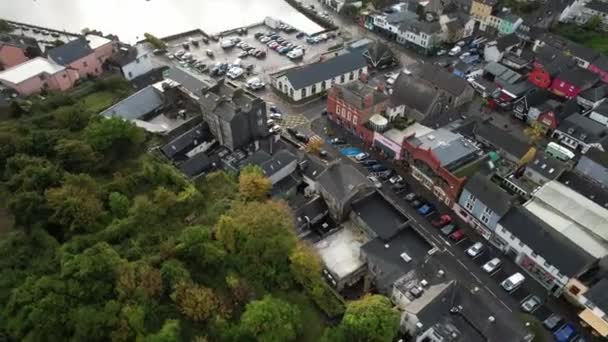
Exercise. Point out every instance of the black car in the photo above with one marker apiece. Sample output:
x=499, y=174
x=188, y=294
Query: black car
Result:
x=302, y=137
x=292, y=131
x=300, y=35
x=338, y=141
x=417, y=203
x=369, y=162
x=257, y=35
x=399, y=187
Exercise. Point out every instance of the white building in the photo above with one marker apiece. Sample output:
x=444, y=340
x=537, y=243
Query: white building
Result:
x=132, y=61
x=303, y=82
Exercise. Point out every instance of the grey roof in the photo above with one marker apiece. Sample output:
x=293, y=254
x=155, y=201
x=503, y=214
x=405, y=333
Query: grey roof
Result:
x=582, y=78
x=598, y=156
x=126, y=54
x=277, y=162
x=355, y=93
x=425, y=27
x=545, y=241
x=442, y=79
x=507, y=41
x=448, y=147
x=70, y=51
x=501, y=139
x=489, y=193
x=602, y=109
x=137, y=105
x=191, y=138
x=378, y=52
x=312, y=167
x=341, y=179
x=386, y=255
x=196, y=165
x=548, y=167
x=596, y=5
x=601, y=62
x=586, y=186
x=314, y=73
x=415, y=93
x=598, y=294
x=583, y=128
x=187, y=80
x=595, y=94
x=381, y=216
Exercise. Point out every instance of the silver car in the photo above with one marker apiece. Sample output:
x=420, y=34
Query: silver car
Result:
x=492, y=265
x=475, y=250
x=530, y=304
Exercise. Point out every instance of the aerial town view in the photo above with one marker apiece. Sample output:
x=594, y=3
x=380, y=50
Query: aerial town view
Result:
x=304, y=170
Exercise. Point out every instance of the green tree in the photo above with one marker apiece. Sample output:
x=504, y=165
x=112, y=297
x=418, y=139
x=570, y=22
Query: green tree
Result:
x=271, y=320
x=75, y=118
x=154, y=41
x=594, y=23
x=371, y=318
x=114, y=137
x=119, y=204
x=174, y=272
x=261, y=237
x=35, y=178
x=196, y=245
x=76, y=155
x=95, y=322
x=196, y=302
x=170, y=332
x=4, y=26
x=29, y=209
x=253, y=185
x=76, y=205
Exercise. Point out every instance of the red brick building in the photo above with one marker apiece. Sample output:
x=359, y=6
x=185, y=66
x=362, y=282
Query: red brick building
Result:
x=351, y=106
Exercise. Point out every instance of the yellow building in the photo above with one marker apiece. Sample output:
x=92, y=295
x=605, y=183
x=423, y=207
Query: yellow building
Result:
x=592, y=301
x=482, y=9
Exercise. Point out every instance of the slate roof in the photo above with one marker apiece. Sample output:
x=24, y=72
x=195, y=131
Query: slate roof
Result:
x=587, y=187
x=313, y=167
x=489, y=193
x=546, y=166
x=596, y=5
x=598, y=294
x=569, y=258
x=506, y=41
x=425, y=27
x=384, y=219
x=354, y=93
x=501, y=139
x=314, y=73
x=226, y=100
x=378, y=52
x=196, y=165
x=70, y=51
x=137, y=105
x=601, y=62
x=277, y=162
x=579, y=77
x=193, y=137
x=340, y=179
x=584, y=129
x=125, y=55
x=598, y=156
x=187, y=80
x=595, y=94
x=441, y=78
x=415, y=93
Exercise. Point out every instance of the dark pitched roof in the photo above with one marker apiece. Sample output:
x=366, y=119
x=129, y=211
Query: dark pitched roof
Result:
x=70, y=52
x=548, y=167
x=545, y=241
x=226, y=100
x=381, y=216
x=602, y=109
x=276, y=162
x=354, y=93
x=598, y=294
x=413, y=92
x=501, y=139
x=601, y=62
x=341, y=179
x=489, y=193
x=125, y=55
x=187, y=80
x=596, y=5
x=587, y=187
x=595, y=94
x=441, y=78
x=22, y=42
x=583, y=128
x=582, y=52
x=598, y=156
x=196, y=165
x=581, y=78
x=311, y=167
x=190, y=138
x=378, y=52
x=328, y=69
x=506, y=41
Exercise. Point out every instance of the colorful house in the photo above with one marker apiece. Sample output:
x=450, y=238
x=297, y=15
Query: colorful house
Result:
x=548, y=63
x=37, y=74
x=352, y=106
x=508, y=23
x=15, y=50
x=553, y=112
x=570, y=83
x=103, y=47
x=600, y=67
x=482, y=9
x=77, y=55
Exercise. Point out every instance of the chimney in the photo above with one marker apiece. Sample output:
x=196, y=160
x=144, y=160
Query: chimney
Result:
x=368, y=100
x=380, y=87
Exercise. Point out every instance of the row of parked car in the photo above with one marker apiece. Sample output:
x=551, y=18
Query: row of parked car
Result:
x=281, y=45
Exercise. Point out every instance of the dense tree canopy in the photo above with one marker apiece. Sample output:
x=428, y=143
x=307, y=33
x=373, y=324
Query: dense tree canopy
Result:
x=271, y=320
x=371, y=318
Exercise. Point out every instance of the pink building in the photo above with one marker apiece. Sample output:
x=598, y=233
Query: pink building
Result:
x=77, y=55
x=15, y=50
x=37, y=74
x=103, y=47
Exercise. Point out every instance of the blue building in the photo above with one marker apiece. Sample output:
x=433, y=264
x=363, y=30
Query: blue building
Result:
x=482, y=203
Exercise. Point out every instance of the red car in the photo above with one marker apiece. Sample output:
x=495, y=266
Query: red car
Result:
x=457, y=235
x=442, y=221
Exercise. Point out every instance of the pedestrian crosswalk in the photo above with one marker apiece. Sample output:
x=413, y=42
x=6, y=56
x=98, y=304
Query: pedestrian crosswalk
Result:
x=316, y=138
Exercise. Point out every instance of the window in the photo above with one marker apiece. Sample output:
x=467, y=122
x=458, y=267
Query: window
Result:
x=304, y=92
x=137, y=60
x=485, y=219
x=85, y=64
x=487, y=211
x=314, y=89
x=130, y=74
x=351, y=76
x=469, y=205
x=322, y=86
x=521, y=244
x=341, y=78
x=280, y=85
x=291, y=92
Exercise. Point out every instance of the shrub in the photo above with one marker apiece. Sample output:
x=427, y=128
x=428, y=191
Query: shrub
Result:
x=155, y=42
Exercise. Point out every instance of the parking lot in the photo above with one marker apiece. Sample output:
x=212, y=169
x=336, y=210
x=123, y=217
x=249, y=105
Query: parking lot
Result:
x=272, y=62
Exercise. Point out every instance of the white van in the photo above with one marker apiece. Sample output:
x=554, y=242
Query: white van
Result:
x=513, y=282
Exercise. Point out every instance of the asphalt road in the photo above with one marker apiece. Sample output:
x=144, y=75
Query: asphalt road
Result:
x=453, y=255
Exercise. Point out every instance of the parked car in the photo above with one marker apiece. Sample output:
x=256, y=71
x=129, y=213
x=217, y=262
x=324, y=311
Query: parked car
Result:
x=447, y=230
x=255, y=83
x=442, y=221
x=552, y=322
x=300, y=35
x=416, y=203
x=513, y=282
x=441, y=52
x=361, y=156
x=258, y=35
x=375, y=181
x=338, y=141
x=530, y=304
x=242, y=54
x=377, y=168
x=492, y=265
x=385, y=175
x=209, y=53
x=396, y=179
x=457, y=235
x=399, y=187
x=564, y=333
x=475, y=250
x=410, y=197
x=369, y=162
x=276, y=116
x=426, y=209
x=302, y=137
x=274, y=109
x=265, y=39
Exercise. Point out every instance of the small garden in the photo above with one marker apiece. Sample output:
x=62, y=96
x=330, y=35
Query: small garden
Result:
x=590, y=34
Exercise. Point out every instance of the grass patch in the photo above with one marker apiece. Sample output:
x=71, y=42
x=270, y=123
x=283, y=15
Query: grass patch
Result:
x=312, y=319
x=99, y=101
x=595, y=40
